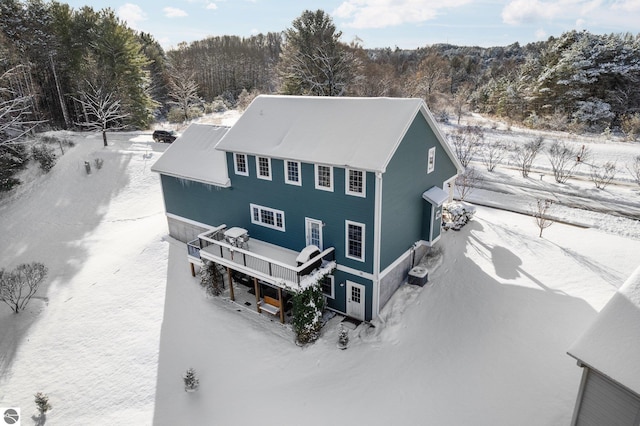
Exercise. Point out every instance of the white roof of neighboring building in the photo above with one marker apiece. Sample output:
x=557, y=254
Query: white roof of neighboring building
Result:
x=361, y=133
x=193, y=156
x=611, y=344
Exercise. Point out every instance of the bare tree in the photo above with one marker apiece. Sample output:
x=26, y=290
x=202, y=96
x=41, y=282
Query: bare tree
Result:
x=493, y=154
x=467, y=182
x=102, y=110
x=15, y=112
x=541, y=214
x=183, y=90
x=524, y=155
x=565, y=160
x=634, y=169
x=17, y=287
x=466, y=142
x=603, y=175
x=461, y=99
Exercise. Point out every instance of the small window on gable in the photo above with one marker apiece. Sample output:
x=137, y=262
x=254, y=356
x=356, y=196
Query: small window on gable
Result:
x=355, y=183
x=327, y=283
x=240, y=164
x=431, y=160
x=263, y=168
x=324, y=177
x=292, y=172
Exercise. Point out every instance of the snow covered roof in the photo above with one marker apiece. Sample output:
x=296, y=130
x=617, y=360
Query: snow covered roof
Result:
x=435, y=195
x=611, y=344
x=361, y=133
x=193, y=156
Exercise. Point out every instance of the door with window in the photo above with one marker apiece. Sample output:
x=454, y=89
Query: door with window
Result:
x=314, y=232
x=355, y=300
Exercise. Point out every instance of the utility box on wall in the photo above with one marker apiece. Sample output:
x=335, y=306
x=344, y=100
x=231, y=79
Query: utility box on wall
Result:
x=418, y=276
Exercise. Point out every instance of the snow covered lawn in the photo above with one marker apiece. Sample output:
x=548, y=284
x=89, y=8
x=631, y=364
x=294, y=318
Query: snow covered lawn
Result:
x=90, y=342
x=485, y=343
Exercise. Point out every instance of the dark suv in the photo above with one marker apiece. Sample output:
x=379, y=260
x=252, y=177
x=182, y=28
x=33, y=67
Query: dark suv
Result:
x=166, y=136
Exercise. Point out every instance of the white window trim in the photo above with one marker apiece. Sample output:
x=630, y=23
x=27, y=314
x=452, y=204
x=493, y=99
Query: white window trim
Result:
x=331, y=295
x=307, y=222
x=267, y=225
x=286, y=173
x=235, y=164
x=258, y=175
x=346, y=240
x=364, y=183
x=431, y=160
x=323, y=188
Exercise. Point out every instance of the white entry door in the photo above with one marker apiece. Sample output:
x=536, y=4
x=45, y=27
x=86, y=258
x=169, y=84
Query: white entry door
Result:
x=355, y=300
x=314, y=232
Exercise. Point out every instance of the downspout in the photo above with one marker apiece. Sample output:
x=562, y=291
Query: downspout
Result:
x=377, y=236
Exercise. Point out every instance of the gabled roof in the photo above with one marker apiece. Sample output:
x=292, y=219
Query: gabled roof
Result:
x=611, y=344
x=360, y=133
x=193, y=156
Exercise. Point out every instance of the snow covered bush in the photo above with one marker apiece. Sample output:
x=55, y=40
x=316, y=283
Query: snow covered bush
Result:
x=456, y=215
x=634, y=169
x=98, y=162
x=42, y=402
x=308, y=306
x=631, y=125
x=17, y=287
x=343, y=337
x=212, y=278
x=191, y=382
x=44, y=155
x=602, y=174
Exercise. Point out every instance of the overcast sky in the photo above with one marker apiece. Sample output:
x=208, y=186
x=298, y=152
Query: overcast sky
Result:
x=406, y=24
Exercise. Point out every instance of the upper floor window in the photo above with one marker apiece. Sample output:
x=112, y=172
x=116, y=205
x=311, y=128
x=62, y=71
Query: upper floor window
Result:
x=431, y=160
x=324, y=177
x=265, y=216
x=263, y=168
x=292, y=172
x=354, y=240
x=355, y=183
x=240, y=164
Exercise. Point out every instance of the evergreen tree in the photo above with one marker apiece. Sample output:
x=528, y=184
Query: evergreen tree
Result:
x=314, y=61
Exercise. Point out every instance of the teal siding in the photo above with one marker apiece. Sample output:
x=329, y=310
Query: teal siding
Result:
x=214, y=206
x=340, y=301
x=403, y=183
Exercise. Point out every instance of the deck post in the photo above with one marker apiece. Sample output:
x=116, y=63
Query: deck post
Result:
x=231, y=295
x=281, y=305
x=193, y=269
x=257, y=290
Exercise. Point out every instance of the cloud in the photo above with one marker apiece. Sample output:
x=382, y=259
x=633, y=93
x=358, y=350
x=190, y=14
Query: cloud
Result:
x=132, y=14
x=173, y=12
x=627, y=5
x=541, y=34
x=212, y=6
x=521, y=11
x=387, y=13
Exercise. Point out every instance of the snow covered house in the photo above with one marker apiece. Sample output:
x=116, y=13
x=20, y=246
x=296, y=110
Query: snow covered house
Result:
x=609, y=353
x=301, y=182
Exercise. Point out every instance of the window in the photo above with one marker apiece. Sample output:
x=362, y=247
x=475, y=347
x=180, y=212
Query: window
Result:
x=355, y=183
x=240, y=164
x=292, y=172
x=271, y=218
x=355, y=240
x=431, y=161
x=324, y=177
x=327, y=283
x=263, y=168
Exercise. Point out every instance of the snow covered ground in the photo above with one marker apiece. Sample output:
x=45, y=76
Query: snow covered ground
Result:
x=120, y=318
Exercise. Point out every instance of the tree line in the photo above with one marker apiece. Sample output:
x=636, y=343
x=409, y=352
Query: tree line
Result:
x=57, y=62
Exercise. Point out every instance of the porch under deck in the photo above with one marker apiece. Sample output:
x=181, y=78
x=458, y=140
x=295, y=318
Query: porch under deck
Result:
x=266, y=271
